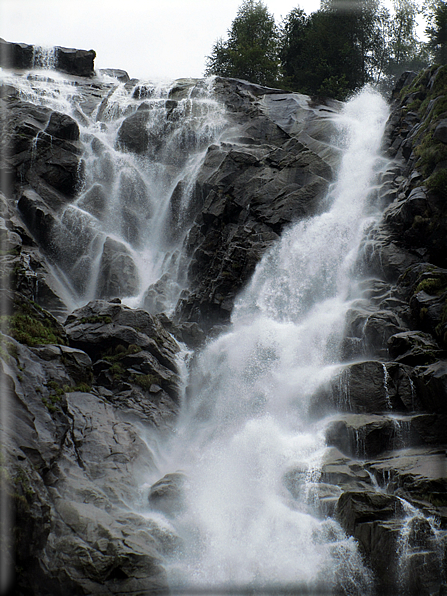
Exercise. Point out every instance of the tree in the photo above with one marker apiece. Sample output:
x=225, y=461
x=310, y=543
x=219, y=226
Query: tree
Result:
x=348, y=43
x=435, y=12
x=405, y=50
x=328, y=52
x=293, y=50
x=251, y=50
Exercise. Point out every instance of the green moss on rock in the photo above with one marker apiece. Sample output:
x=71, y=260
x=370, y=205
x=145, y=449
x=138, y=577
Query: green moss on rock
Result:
x=31, y=325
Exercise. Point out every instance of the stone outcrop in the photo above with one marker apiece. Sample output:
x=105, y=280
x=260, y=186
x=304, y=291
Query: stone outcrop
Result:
x=69, y=60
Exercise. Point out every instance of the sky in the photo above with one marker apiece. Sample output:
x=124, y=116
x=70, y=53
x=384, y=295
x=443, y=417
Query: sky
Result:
x=152, y=39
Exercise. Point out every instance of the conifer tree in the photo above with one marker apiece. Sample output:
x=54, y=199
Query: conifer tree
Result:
x=435, y=12
x=251, y=49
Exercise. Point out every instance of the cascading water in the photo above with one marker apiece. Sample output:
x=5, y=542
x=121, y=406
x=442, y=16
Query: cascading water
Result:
x=44, y=57
x=124, y=230
x=250, y=452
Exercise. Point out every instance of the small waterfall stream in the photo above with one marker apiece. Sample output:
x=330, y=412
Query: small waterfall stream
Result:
x=245, y=441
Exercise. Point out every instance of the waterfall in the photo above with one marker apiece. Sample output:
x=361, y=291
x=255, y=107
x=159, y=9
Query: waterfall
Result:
x=124, y=231
x=142, y=200
x=249, y=450
x=44, y=57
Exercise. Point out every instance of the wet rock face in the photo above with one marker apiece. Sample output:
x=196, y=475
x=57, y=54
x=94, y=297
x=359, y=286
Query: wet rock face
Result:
x=77, y=389
x=262, y=178
x=132, y=355
x=42, y=172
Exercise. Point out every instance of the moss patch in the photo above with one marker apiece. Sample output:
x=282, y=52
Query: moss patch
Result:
x=145, y=381
x=430, y=151
x=31, y=325
x=120, y=351
x=435, y=286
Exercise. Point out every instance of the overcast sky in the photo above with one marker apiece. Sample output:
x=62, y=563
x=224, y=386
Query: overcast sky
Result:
x=148, y=38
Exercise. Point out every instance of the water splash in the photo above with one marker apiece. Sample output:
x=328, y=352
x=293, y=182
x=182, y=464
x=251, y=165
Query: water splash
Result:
x=386, y=380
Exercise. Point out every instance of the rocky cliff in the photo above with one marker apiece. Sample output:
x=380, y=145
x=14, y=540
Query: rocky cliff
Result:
x=77, y=390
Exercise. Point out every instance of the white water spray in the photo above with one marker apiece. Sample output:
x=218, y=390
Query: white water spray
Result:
x=246, y=427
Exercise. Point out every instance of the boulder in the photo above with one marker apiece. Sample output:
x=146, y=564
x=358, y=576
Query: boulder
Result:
x=431, y=385
x=369, y=387
x=75, y=62
x=118, y=274
x=440, y=132
x=43, y=151
x=384, y=257
x=62, y=126
x=342, y=471
x=133, y=135
x=368, y=329
x=101, y=325
x=414, y=348
x=357, y=507
x=166, y=494
x=15, y=55
x=418, y=473
x=117, y=73
x=134, y=358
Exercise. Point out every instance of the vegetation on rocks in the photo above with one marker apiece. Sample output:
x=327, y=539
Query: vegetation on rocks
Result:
x=29, y=324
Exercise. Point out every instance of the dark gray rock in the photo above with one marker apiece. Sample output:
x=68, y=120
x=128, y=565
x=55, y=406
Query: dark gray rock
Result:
x=431, y=385
x=43, y=150
x=414, y=348
x=133, y=134
x=354, y=508
x=15, y=55
x=75, y=463
x=368, y=330
x=117, y=73
x=440, y=132
x=252, y=195
x=38, y=217
x=367, y=436
x=74, y=62
x=385, y=257
x=342, y=471
x=23, y=266
x=118, y=274
x=100, y=325
x=134, y=358
x=62, y=126
x=166, y=494
x=418, y=472
x=369, y=387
